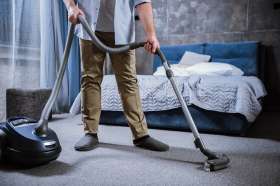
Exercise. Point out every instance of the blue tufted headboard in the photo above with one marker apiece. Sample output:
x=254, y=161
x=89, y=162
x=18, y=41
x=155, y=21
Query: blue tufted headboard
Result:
x=243, y=55
x=174, y=53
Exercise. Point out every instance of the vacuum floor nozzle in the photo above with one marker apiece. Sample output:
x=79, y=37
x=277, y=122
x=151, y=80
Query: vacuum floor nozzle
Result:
x=221, y=162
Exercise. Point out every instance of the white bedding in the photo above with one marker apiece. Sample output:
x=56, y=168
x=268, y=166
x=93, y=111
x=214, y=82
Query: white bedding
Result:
x=228, y=94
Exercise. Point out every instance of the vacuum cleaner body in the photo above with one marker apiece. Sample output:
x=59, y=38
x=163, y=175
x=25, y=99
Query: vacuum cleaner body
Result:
x=27, y=142
x=20, y=144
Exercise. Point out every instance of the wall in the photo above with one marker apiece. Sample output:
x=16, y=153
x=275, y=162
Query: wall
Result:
x=194, y=21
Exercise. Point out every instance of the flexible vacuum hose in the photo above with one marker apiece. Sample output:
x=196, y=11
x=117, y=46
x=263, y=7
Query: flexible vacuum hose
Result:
x=42, y=128
x=103, y=47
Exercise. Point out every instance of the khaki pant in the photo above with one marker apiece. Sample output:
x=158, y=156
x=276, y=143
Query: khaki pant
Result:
x=92, y=74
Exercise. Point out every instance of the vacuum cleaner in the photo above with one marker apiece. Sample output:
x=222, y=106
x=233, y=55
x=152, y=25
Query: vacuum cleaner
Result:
x=28, y=142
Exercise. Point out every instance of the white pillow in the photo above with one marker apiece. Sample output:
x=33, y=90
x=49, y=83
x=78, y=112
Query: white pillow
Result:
x=178, y=70
x=213, y=68
x=192, y=58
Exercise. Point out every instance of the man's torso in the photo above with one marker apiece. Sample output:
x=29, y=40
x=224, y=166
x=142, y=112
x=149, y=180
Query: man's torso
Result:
x=105, y=20
x=123, y=18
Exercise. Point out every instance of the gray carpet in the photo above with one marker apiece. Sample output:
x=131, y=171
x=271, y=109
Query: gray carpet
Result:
x=117, y=162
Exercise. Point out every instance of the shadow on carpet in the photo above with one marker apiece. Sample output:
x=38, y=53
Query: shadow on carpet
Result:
x=60, y=168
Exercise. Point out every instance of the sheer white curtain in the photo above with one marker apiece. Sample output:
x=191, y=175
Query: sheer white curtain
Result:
x=19, y=47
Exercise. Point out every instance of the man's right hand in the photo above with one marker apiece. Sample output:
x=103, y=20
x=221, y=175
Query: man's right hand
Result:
x=73, y=13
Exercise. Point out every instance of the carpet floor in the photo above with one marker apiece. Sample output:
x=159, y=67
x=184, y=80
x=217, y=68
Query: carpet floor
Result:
x=117, y=162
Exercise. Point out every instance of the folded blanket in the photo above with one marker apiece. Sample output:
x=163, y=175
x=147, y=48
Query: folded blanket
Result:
x=230, y=94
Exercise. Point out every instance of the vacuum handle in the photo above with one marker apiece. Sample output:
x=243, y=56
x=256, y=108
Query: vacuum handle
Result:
x=162, y=57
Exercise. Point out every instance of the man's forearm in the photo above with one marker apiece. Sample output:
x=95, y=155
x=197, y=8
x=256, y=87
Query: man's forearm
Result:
x=145, y=12
x=69, y=3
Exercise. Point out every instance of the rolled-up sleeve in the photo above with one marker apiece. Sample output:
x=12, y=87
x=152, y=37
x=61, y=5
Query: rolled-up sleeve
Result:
x=137, y=2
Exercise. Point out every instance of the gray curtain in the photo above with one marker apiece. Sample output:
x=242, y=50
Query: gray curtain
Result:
x=19, y=47
x=52, y=44
x=54, y=26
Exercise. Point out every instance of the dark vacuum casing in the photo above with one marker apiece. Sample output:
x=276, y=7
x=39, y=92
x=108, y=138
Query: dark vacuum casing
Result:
x=20, y=145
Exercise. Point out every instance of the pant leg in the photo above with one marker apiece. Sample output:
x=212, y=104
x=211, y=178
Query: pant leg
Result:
x=125, y=71
x=92, y=74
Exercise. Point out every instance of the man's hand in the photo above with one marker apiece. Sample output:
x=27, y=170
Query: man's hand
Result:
x=73, y=13
x=152, y=43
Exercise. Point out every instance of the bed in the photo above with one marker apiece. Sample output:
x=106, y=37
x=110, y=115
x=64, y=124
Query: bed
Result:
x=227, y=105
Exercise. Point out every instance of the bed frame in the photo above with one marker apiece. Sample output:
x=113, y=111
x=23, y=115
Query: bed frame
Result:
x=244, y=55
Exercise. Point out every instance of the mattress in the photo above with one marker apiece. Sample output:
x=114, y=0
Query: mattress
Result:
x=225, y=94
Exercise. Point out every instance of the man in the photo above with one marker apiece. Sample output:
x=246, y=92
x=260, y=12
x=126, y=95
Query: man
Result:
x=113, y=22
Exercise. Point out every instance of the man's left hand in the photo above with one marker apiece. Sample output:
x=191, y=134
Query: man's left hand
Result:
x=151, y=43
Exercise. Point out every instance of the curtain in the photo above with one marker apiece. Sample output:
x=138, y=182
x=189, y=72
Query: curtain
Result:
x=32, y=38
x=54, y=28
x=19, y=47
